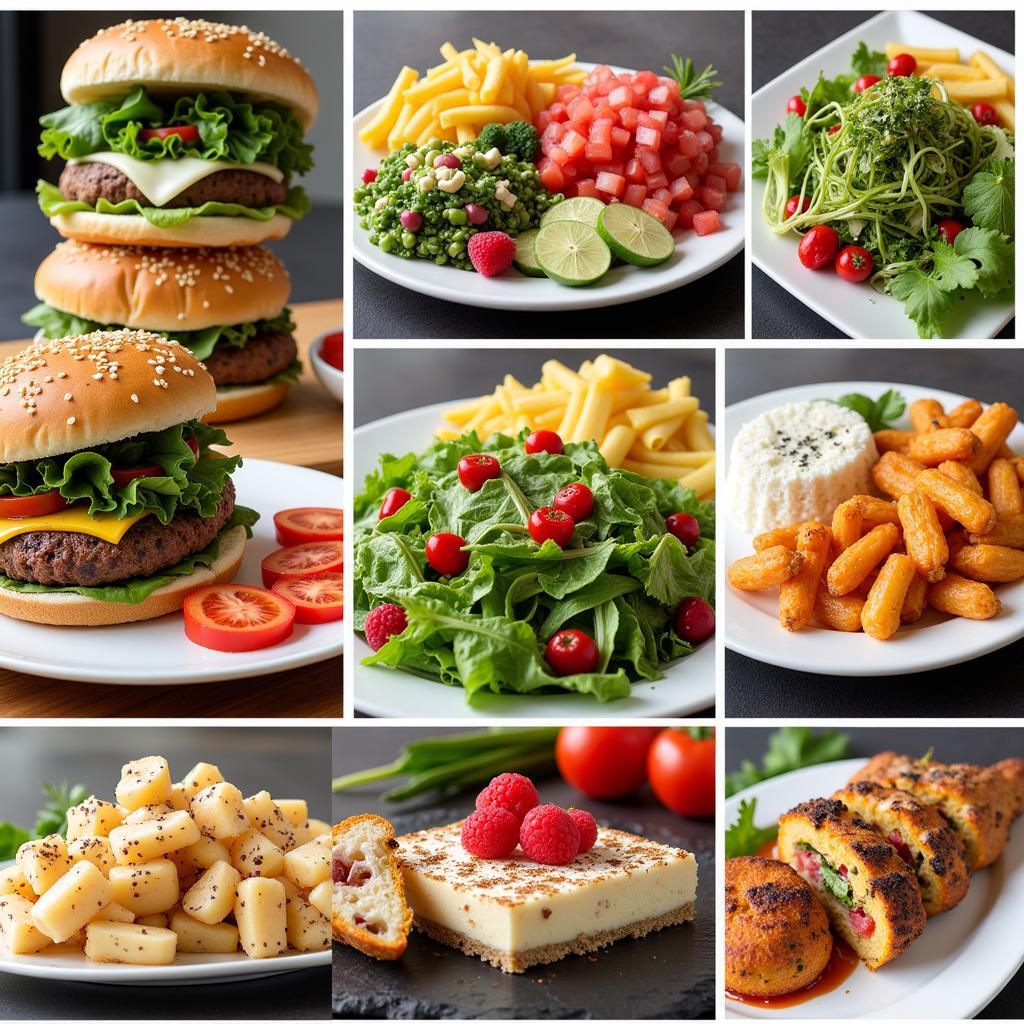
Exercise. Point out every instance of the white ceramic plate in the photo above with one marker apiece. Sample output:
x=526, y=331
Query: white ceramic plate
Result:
x=694, y=257
x=157, y=651
x=860, y=312
x=331, y=377
x=688, y=686
x=751, y=618
x=962, y=961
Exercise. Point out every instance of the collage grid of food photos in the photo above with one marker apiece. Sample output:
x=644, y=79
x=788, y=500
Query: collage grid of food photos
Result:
x=372, y=644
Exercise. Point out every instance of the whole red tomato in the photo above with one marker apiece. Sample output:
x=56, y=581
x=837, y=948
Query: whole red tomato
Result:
x=604, y=762
x=681, y=767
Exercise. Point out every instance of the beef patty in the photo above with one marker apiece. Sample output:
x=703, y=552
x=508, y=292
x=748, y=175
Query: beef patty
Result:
x=260, y=358
x=55, y=558
x=89, y=182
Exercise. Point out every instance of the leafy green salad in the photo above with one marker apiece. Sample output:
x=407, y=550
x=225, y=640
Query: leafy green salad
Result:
x=620, y=578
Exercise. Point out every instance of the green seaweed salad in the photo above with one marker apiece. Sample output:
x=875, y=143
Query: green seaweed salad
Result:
x=883, y=167
x=621, y=577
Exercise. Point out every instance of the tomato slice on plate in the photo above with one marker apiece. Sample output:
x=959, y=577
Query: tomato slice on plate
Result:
x=317, y=599
x=303, y=525
x=234, y=617
x=303, y=560
x=34, y=505
x=187, y=132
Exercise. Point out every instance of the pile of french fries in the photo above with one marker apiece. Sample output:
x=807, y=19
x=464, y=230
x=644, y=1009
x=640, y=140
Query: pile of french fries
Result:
x=950, y=526
x=980, y=78
x=654, y=432
x=471, y=88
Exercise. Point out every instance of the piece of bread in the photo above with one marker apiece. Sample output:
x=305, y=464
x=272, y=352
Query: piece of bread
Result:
x=921, y=836
x=368, y=907
x=879, y=911
x=776, y=932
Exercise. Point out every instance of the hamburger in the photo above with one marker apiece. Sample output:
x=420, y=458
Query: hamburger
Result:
x=181, y=133
x=227, y=306
x=113, y=505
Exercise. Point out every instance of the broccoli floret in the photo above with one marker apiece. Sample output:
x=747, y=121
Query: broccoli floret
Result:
x=492, y=136
x=523, y=140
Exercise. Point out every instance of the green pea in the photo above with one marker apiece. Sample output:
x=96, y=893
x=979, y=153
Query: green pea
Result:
x=387, y=243
x=456, y=249
x=460, y=236
x=408, y=239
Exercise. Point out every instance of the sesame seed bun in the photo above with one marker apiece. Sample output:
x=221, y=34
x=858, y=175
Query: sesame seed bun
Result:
x=134, y=229
x=159, y=289
x=179, y=56
x=55, y=609
x=120, y=383
x=244, y=402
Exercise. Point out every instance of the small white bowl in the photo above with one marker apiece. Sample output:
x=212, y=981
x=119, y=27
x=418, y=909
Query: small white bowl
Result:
x=329, y=376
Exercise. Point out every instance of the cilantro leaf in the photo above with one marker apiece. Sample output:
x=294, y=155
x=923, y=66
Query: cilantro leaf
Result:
x=994, y=255
x=743, y=838
x=868, y=62
x=989, y=198
x=952, y=270
x=827, y=90
x=788, y=138
x=790, y=748
x=926, y=302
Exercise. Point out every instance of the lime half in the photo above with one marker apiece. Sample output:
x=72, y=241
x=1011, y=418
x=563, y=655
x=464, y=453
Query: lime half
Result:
x=525, y=259
x=585, y=209
x=634, y=235
x=572, y=253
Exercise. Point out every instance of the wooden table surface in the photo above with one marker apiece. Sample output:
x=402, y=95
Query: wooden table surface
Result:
x=304, y=430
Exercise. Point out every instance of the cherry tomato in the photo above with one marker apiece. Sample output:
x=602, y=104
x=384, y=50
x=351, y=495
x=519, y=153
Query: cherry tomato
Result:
x=186, y=132
x=695, y=620
x=818, y=247
x=123, y=477
x=445, y=554
x=949, y=229
x=865, y=82
x=684, y=527
x=834, y=129
x=234, y=617
x=476, y=470
x=681, y=767
x=332, y=350
x=316, y=599
x=543, y=441
x=604, y=762
x=575, y=500
x=34, y=505
x=854, y=264
x=571, y=651
x=985, y=113
x=793, y=205
x=903, y=65
x=551, y=524
x=796, y=105
x=302, y=525
x=393, y=501
x=303, y=560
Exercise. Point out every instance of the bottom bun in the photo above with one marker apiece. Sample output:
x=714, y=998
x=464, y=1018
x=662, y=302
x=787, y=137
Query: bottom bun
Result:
x=134, y=229
x=76, y=610
x=240, y=403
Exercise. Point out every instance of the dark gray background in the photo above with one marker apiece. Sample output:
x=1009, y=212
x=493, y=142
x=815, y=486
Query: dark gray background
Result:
x=672, y=969
x=757, y=690
x=386, y=41
x=288, y=762
x=781, y=39
x=953, y=744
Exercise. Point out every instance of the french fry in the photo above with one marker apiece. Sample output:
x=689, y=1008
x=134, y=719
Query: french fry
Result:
x=969, y=599
x=1007, y=532
x=927, y=414
x=954, y=73
x=894, y=473
x=881, y=615
x=1004, y=487
x=915, y=602
x=944, y=444
x=925, y=542
x=892, y=440
x=839, y=613
x=854, y=564
x=949, y=55
x=972, y=92
x=765, y=569
x=958, y=501
x=962, y=474
x=796, y=595
x=784, y=535
x=989, y=563
x=964, y=414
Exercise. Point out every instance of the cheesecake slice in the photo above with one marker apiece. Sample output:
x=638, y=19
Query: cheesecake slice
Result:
x=515, y=913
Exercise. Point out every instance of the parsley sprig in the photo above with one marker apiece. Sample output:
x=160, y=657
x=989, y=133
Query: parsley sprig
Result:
x=743, y=838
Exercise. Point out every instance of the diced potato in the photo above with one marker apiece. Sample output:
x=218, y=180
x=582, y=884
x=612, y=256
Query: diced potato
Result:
x=148, y=813
x=307, y=927
x=265, y=816
x=72, y=901
x=115, y=912
x=148, y=840
x=296, y=812
x=150, y=888
x=200, y=777
x=95, y=849
x=212, y=898
x=14, y=883
x=261, y=917
x=320, y=897
x=254, y=854
x=43, y=862
x=153, y=920
x=310, y=864
x=219, y=811
x=198, y=937
x=313, y=828
x=114, y=942
x=179, y=798
x=145, y=781
x=205, y=852
x=19, y=930
x=92, y=817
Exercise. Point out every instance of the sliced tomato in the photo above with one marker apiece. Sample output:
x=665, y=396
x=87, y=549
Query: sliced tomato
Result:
x=194, y=445
x=234, y=617
x=123, y=477
x=303, y=560
x=34, y=505
x=862, y=924
x=302, y=525
x=186, y=132
x=317, y=599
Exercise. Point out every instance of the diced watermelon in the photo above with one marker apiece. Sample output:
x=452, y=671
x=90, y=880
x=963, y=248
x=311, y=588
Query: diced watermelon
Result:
x=635, y=171
x=647, y=79
x=598, y=152
x=689, y=144
x=657, y=180
x=677, y=164
x=629, y=117
x=649, y=159
x=572, y=144
x=680, y=189
x=654, y=208
x=714, y=181
x=551, y=175
x=613, y=184
x=587, y=187
x=712, y=198
x=600, y=133
x=670, y=134
x=706, y=223
x=634, y=194
x=654, y=119
x=700, y=164
x=688, y=209
x=620, y=137
x=729, y=172
x=649, y=137
x=602, y=112
x=553, y=132
x=620, y=98
x=706, y=142
x=670, y=219
x=581, y=110
x=542, y=121
x=695, y=120
x=567, y=93
x=558, y=111
x=559, y=155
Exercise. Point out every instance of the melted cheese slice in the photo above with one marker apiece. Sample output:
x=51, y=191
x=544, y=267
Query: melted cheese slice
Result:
x=72, y=520
x=160, y=181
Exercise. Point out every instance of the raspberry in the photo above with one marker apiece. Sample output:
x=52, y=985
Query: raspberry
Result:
x=516, y=793
x=491, y=252
x=549, y=836
x=490, y=832
x=384, y=621
x=587, y=825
